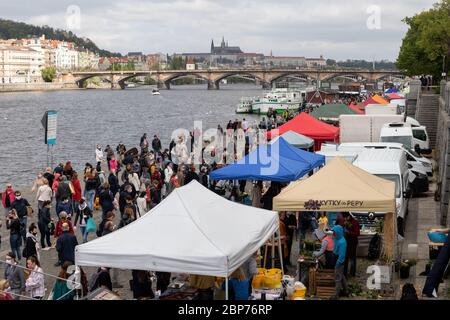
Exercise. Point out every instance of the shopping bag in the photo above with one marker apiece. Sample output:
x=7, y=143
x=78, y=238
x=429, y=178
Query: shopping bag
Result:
x=97, y=205
x=90, y=225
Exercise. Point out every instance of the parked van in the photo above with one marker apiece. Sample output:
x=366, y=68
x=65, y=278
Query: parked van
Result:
x=418, y=162
x=389, y=164
x=329, y=155
x=412, y=137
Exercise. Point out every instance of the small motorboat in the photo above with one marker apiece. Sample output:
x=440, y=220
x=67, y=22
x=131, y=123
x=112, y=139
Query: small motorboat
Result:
x=155, y=92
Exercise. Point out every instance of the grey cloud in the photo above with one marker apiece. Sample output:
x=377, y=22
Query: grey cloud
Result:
x=336, y=29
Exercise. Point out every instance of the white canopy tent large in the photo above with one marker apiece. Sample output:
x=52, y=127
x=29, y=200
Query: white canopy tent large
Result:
x=192, y=231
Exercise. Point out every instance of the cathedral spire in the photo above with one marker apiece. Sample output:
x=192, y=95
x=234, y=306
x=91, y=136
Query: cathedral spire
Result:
x=212, y=45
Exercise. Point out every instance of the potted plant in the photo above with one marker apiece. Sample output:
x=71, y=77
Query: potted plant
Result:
x=405, y=267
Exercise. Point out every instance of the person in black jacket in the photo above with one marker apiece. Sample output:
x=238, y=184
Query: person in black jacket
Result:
x=267, y=198
x=128, y=190
x=106, y=199
x=85, y=214
x=113, y=183
x=31, y=244
x=90, y=184
x=15, y=240
x=156, y=144
x=142, y=285
x=65, y=245
x=20, y=205
x=49, y=176
x=191, y=175
x=44, y=218
x=63, y=191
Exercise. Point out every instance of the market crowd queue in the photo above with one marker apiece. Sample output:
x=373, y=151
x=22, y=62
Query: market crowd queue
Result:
x=128, y=183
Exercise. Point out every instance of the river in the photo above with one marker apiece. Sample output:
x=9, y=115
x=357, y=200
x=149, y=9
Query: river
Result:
x=90, y=117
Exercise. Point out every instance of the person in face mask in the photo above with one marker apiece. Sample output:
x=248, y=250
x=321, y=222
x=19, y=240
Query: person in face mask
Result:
x=32, y=246
x=21, y=204
x=15, y=276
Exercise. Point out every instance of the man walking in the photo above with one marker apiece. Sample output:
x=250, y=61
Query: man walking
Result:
x=21, y=206
x=156, y=144
x=65, y=245
x=351, y=236
x=340, y=249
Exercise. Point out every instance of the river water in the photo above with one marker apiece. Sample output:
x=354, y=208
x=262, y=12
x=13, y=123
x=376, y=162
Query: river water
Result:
x=90, y=117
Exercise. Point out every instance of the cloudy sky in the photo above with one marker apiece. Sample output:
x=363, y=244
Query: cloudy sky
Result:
x=367, y=29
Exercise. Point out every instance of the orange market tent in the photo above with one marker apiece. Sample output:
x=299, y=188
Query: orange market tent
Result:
x=310, y=127
x=342, y=187
x=379, y=99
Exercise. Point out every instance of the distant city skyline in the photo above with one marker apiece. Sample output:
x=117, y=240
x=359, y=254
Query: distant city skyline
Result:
x=336, y=30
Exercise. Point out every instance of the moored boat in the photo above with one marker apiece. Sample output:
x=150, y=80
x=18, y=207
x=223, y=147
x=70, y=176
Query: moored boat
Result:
x=245, y=106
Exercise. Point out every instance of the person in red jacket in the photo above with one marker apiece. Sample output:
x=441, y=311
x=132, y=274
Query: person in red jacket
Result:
x=351, y=236
x=75, y=187
x=63, y=219
x=8, y=198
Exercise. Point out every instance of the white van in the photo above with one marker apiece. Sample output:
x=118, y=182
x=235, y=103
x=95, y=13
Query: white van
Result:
x=329, y=155
x=418, y=162
x=412, y=137
x=389, y=164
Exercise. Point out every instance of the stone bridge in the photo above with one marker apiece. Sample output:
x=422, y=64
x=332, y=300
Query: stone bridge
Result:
x=266, y=77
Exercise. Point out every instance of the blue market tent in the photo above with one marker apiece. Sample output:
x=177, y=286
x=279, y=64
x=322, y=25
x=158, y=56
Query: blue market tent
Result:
x=391, y=90
x=280, y=162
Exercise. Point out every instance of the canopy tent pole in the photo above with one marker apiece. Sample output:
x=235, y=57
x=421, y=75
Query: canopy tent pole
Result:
x=226, y=288
x=280, y=251
x=273, y=251
x=265, y=255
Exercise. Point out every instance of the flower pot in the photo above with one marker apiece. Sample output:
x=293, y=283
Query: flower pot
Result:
x=404, y=272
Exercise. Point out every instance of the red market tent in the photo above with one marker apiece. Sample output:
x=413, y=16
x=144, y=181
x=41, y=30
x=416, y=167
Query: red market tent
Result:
x=393, y=96
x=356, y=109
x=308, y=126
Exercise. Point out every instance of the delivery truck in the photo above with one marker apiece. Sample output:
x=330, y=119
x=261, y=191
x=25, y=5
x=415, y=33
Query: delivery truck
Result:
x=380, y=109
x=364, y=128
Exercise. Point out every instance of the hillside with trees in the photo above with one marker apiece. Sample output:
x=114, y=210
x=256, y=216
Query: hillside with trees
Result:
x=18, y=30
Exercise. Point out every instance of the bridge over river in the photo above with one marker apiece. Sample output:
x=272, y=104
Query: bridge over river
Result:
x=265, y=77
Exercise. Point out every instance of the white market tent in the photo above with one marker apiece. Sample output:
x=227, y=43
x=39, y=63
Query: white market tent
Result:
x=192, y=231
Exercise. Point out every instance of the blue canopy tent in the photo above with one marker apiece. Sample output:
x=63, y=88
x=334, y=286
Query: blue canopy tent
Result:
x=391, y=90
x=279, y=162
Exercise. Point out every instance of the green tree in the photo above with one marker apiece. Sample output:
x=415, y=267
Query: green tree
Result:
x=426, y=45
x=177, y=63
x=119, y=66
x=48, y=74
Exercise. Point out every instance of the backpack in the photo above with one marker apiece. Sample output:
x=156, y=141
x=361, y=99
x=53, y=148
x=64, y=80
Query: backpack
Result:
x=374, y=247
x=409, y=292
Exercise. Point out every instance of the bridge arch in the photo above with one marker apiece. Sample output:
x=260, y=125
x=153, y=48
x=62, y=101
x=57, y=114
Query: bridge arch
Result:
x=243, y=73
x=300, y=75
x=348, y=76
x=389, y=75
x=80, y=82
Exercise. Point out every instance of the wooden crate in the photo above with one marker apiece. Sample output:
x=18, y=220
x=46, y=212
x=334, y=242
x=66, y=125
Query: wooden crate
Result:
x=325, y=284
